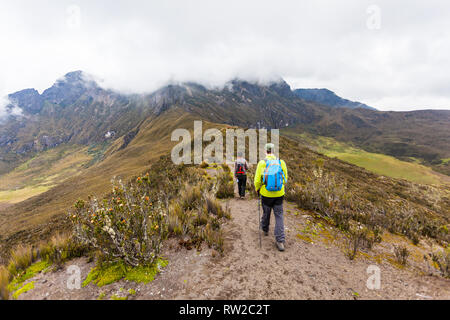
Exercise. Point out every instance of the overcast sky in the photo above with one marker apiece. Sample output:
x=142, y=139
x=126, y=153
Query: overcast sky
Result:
x=393, y=55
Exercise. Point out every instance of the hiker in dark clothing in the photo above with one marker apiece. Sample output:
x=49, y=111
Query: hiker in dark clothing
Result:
x=240, y=173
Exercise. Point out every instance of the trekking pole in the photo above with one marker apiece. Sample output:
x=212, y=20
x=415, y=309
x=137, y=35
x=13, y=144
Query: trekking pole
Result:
x=259, y=219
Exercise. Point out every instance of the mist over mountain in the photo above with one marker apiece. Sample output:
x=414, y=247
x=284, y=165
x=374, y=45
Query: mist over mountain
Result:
x=75, y=109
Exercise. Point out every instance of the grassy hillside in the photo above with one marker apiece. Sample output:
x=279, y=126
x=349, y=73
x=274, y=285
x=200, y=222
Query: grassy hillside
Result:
x=375, y=162
x=42, y=172
x=39, y=216
x=420, y=134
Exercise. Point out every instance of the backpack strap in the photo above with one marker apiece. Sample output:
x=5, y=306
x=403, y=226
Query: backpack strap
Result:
x=265, y=172
x=282, y=171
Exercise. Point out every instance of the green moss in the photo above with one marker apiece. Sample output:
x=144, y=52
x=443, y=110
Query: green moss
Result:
x=101, y=296
x=29, y=273
x=107, y=274
x=146, y=274
x=103, y=275
x=115, y=297
x=132, y=292
x=304, y=238
x=29, y=286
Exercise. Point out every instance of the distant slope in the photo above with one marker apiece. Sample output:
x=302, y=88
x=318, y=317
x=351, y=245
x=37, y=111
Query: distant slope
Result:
x=423, y=134
x=328, y=98
x=375, y=162
x=42, y=172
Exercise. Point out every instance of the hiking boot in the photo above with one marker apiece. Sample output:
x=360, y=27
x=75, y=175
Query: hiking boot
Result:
x=280, y=246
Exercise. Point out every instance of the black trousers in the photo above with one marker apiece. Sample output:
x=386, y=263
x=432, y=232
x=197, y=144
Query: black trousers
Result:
x=242, y=183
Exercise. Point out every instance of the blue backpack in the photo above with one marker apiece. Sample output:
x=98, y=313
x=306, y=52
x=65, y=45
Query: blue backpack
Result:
x=273, y=177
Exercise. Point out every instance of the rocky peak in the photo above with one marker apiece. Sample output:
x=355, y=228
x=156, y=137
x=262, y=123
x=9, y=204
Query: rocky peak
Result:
x=29, y=100
x=69, y=88
x=249, y=89
x=328, y=98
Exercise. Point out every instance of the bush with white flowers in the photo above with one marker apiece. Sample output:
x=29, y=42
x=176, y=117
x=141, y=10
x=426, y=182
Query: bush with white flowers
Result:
x=127, y=225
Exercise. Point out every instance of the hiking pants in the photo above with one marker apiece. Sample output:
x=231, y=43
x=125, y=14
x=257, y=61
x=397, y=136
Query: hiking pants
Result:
x=242, y=183
x=277, y=205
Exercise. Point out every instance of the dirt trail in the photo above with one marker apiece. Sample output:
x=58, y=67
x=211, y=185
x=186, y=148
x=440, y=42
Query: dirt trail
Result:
x=317, y=270
x=303, y=271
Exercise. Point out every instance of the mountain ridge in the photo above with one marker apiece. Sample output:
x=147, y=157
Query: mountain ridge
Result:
x=75, y=109
x=329, y=98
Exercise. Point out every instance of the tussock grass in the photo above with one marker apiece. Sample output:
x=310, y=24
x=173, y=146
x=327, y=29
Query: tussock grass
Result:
x=225, y=186
x=62, y=247
x=4, y=281
x=190, y=197
x=198, y=215
x=26, y=261
x=21, y=258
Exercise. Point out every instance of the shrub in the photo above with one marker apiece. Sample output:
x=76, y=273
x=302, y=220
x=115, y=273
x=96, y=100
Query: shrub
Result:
x=203, y=165
x=358, y=237
x=128, y=226
x=224, y=187
x=321, y=193
x=401, y=254
x=442, y=261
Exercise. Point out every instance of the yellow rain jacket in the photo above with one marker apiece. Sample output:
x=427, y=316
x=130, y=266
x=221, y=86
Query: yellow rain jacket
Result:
x=258, y=178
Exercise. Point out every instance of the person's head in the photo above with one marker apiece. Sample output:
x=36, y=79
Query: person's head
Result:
x=240, y=154
x=270, y=148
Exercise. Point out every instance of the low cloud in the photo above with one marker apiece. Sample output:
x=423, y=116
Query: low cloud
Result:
x=400, y=64
x=7, y=109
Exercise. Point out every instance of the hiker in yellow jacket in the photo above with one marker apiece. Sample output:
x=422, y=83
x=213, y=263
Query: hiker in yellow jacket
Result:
x=271, y=199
